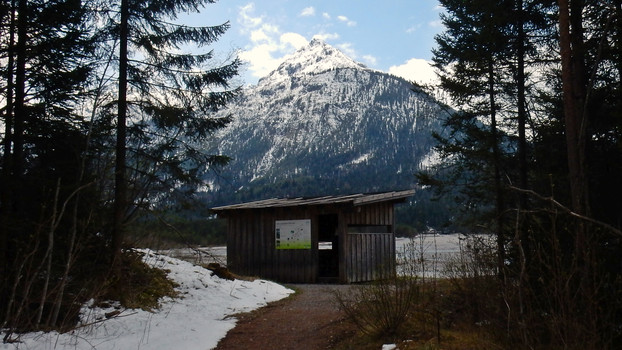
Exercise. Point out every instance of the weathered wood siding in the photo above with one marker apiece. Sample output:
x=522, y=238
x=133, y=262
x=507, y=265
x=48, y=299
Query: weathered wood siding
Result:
x=367, y=256
x=251, y=249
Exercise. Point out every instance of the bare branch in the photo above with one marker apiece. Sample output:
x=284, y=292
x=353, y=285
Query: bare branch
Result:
x=567, y=210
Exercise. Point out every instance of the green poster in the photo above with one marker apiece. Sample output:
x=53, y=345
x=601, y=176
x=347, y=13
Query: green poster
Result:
x=293, y=234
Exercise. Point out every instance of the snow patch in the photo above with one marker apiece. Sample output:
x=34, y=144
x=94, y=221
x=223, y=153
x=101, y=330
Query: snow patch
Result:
x=317, y=57
x=362, y=159
x=198, y=319
x=430, y=160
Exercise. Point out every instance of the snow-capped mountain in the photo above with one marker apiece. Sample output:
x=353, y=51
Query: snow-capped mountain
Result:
x=322, y=123
x=315, y=58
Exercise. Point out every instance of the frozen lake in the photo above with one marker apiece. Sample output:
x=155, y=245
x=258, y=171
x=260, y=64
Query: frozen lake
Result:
x=426, y=255
x=423, y=255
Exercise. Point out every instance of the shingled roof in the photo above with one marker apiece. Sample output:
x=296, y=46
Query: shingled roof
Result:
x=353, y=199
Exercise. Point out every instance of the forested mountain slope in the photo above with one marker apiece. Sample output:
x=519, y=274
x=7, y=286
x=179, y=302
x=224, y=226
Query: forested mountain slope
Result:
x=324, y=124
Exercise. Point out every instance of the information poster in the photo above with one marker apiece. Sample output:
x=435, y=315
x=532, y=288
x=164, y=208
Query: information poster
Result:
x=293, y=234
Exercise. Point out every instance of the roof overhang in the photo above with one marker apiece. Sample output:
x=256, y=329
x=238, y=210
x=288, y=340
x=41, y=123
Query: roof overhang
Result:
x=352, y=199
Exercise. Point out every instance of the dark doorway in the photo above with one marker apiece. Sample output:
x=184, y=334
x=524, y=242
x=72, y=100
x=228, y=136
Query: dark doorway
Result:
x=328, y=246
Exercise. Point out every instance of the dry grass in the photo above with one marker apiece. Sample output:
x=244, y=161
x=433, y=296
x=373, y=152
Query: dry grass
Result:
x=426, y=329
x=138, y=285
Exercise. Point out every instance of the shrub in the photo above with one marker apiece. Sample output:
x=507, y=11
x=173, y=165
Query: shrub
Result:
x=138, y=285
x=381, y=308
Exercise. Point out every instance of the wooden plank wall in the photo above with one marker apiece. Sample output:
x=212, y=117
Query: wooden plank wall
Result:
x=251, y=247
x=368, y=256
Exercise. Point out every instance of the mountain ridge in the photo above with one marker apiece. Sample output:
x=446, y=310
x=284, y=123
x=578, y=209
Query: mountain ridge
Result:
x=314, y=58
x=322, y=123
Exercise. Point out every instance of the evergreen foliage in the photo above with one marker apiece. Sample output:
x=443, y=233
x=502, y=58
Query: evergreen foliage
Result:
x=547, y=191
x=167, y=93
x=61, y=86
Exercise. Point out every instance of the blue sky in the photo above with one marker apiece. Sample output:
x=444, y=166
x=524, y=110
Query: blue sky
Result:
x=394, y=36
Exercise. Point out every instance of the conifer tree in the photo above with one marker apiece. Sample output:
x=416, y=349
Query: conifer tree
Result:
x=472, y=56
x=58, y=117
x=487, y=57
x=563, y=135
x=44, y=50
x=165, y=98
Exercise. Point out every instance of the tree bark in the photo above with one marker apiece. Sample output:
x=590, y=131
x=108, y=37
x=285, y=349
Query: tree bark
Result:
x=573, y=89
x=520, y=84
x=5, y=188
x=20, y=97
x=522, y=121
x=120, y=207
x=496, y=154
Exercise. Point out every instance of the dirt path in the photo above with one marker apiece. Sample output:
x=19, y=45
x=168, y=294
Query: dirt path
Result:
x=308, y=320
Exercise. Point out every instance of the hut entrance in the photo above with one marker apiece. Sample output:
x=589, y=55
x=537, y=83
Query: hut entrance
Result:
x=328, y=246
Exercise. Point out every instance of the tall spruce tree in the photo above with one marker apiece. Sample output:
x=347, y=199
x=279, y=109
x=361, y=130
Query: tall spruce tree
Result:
x=472, y=56
x=44, y=50
x=165, y=98
x=566, y=142
x=487, y=58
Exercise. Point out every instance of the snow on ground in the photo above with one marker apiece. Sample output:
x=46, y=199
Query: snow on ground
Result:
x=201, y=255
x=202, y=314
x=198, y=319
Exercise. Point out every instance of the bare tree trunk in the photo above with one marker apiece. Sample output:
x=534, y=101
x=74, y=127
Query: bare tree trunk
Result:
x=11, y=205
x=48, y=255
x=525, y=240
x=5, y=188
x=581, y=275
x=573, y=89
x=496, y=153
x=58, y=302
x=8, y=117
x=121, y=200
x=20, y=96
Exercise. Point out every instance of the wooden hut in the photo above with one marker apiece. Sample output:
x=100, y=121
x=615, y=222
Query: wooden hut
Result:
x=342, y=239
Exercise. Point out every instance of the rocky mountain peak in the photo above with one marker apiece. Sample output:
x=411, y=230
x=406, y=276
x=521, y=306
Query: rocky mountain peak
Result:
x=316, y=57
x=321, y=124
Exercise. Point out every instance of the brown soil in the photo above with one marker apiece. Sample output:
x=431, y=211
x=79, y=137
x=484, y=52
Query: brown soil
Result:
x=307, y=320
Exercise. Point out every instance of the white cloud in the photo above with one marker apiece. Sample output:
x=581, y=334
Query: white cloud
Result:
x=326, y=36
x=268, y=45
x=347, y=21
x=436, y=24
x=265, y=33
x=259, y=35
x=308, y=11
x=417, y=70
x=347, y=49
x=246, y=19
x=413, y=29
x=295, y=40
x=370, y=60
x=262, y=58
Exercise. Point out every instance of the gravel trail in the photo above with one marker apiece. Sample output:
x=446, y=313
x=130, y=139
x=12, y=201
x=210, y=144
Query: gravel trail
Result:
x=308, y=320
